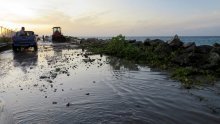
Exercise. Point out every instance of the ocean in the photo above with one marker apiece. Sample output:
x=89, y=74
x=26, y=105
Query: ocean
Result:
x=199, y=40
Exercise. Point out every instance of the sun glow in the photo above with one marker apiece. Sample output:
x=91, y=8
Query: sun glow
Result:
x=17, y=10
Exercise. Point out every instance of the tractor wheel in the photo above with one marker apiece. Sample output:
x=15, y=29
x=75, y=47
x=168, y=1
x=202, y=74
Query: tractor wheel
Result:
x=14, y=48
x=35, y=48
x=63, y=39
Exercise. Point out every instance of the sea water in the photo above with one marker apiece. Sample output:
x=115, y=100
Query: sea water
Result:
x=199, y=40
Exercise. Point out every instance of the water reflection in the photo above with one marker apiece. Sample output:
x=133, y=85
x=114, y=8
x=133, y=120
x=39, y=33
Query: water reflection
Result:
x=25, y=59
x=122, y=64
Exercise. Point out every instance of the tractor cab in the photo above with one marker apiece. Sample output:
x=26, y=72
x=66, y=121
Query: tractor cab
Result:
x=56, y=30
x=57, y=35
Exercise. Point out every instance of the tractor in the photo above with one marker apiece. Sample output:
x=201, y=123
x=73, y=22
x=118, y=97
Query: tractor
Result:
x=57, y=35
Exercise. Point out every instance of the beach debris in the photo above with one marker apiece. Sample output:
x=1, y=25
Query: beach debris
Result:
x=54, y=102
x=49, y=81
x=88, y=60
x=68, y=104
x=43, y=77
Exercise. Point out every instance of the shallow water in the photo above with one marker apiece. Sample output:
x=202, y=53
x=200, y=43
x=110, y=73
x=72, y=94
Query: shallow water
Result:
x=35, y=87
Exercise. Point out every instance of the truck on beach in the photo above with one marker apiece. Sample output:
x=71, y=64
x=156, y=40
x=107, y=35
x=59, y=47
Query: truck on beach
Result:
x=25, y=41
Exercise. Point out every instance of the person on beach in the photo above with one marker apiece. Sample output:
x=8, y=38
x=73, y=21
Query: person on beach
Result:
x=43, y=37
x=22, y=32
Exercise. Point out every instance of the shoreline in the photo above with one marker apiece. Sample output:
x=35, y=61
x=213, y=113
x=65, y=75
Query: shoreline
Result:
x=190, y=64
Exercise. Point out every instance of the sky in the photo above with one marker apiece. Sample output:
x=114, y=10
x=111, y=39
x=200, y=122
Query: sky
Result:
x=113, y=17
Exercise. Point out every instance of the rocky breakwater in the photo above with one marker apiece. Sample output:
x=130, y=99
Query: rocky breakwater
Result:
x=192, y=65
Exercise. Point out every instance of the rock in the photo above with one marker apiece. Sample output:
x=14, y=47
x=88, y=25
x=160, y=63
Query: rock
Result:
x=214, y=58
x=131, y=41
x=43, y=77
x=54, y=102
x=154, y=42
x=216, y=50
x=163, y=50
x=53, y=75
x=68, y=104
x=189, y=49
x=88, y=60
x=189, y=44
x=87, y=94
x=147, y=42
x=86, y=56
x=214, y=61
x=198, y=59
x=176, y=42
x=138, y=43
x=191, y=59
x=216, y=45
x=182, y=60
x=57, y=69
x=204, y=49
x=49, y=81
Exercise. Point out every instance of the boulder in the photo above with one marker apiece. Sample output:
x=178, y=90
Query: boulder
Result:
x=182, y=60
x=189, y=49
x=163, y=50
x=131, y=41
x=214, y=61
x=204, y=49
x=214, y=58
x=198, y=59
x=154, y=42
x=138, y=43
x=216, y=45
x=188, y=44
x=176, y=42
x=216, y=50
x=147, y=42
x=191, y=59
